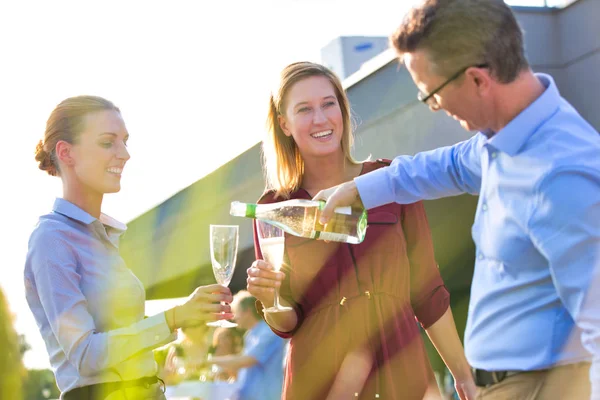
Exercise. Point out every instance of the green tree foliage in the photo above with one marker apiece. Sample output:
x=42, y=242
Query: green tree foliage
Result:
x=11, y=366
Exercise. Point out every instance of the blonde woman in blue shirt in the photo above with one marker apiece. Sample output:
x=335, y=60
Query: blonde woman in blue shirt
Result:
x=88, y=305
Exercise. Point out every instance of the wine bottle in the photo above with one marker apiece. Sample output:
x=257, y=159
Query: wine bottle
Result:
x=300, y=217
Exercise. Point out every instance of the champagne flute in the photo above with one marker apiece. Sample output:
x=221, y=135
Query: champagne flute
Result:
x=272, y=245
x=223, y=252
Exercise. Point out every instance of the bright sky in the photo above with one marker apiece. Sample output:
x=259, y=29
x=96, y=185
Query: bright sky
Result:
x=191, y=79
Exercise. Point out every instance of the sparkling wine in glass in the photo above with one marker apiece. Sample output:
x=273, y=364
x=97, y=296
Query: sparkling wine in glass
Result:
x=272, y=245
x=223, y=252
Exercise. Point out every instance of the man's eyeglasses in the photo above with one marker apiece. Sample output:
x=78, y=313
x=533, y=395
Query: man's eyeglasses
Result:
x=430, y=100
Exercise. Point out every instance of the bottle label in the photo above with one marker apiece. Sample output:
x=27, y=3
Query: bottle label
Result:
x=335, y=237
x=343, y=210
x=347, y=210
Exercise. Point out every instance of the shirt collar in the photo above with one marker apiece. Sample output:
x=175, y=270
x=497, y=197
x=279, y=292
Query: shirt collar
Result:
x=70, y=210
x=513, y=136
x=113, y=223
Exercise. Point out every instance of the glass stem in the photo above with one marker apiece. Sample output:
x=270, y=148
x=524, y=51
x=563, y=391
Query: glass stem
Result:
x=276, y=299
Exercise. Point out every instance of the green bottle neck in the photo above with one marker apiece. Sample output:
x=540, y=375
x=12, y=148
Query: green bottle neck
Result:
x=251, y=210
x=239, y=209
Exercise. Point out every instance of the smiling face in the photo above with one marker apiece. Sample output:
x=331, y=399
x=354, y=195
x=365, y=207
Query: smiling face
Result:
x=98, y=157
x=313, y=117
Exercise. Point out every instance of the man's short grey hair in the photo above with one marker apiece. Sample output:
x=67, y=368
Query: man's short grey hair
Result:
x=460, y=33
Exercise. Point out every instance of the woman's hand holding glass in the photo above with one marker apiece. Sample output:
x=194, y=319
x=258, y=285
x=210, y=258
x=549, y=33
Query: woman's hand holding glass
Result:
x=206, y=304
x=262, y=281
x=271, y=240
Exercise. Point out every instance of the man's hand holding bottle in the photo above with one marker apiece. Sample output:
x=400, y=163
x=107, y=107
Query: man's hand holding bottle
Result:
x=343, y=195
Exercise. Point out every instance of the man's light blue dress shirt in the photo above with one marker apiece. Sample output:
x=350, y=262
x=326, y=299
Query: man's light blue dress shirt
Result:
x=535, y=296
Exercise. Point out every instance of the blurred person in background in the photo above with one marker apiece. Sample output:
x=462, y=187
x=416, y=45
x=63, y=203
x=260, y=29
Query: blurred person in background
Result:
x=533, y=328
x=259, y=365
x=184, y=359
x=11, y=368
x=88, y=305
x=353, y=329
x=226, y=341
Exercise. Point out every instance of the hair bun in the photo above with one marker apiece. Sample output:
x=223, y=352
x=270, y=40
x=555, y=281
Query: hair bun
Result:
x=44, y=159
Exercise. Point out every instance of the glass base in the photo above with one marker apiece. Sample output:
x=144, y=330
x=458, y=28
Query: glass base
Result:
x=223, y=323
x=277, y=309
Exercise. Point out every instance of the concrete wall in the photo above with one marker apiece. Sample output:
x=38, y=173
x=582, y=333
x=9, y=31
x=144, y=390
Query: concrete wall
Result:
x=345, y=55
x=578, y=28
x=168, y=246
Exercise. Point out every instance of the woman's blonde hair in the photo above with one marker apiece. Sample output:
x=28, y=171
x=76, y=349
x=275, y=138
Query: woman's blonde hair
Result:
x=283, y=165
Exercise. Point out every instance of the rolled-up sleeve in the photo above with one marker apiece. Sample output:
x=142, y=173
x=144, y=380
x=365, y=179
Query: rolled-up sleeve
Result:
x=565, y=227
x=55, y=283
x=429, y=297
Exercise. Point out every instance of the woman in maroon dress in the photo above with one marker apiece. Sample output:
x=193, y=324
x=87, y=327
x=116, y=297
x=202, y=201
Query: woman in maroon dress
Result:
x=353, y=329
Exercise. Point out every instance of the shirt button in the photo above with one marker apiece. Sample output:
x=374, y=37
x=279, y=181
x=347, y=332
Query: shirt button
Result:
x=484, y=207
x=494, y=154
x=156, y=338
x=480, y=256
